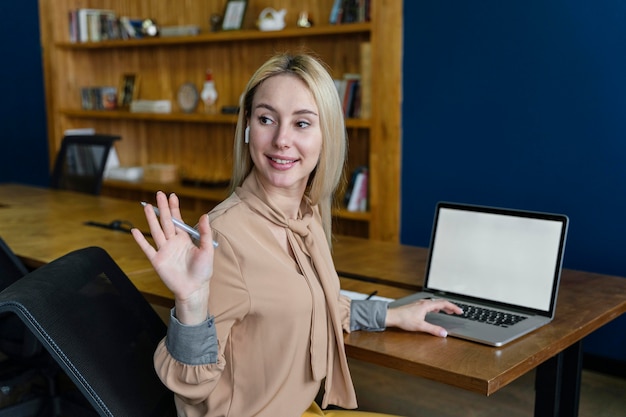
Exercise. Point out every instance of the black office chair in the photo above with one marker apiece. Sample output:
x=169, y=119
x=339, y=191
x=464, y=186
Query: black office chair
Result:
x=100, y=330
x=15, y=341
x=24, y=361
x=81, y=161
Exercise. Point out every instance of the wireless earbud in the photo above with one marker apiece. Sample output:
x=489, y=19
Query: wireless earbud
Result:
x=246, y=135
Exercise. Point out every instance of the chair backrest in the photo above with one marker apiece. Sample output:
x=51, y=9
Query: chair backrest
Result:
x=15, y=341
x=98, y=327
x=81, y=161
x=11, y=267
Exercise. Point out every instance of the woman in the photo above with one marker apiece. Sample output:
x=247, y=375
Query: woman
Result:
x=258, y=320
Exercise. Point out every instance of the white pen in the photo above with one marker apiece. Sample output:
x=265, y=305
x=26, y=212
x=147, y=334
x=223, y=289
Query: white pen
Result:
x=181, y=225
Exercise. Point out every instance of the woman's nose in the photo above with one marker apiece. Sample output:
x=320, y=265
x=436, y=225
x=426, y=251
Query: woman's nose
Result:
x=282, y=138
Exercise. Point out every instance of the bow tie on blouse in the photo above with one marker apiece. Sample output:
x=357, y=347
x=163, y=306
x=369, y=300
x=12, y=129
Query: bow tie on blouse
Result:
x=326, y=359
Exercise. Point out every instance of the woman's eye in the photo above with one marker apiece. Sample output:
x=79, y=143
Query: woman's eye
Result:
x=303, y=124
x=265, y=120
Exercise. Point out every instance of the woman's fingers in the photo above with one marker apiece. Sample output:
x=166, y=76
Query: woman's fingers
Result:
x=153, y=223
x=165, y=215
x=144, y=245
x=174, y=205
x=206, y=235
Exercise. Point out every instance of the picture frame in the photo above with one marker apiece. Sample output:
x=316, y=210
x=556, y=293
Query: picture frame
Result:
x=234, y=12
x=128, y=91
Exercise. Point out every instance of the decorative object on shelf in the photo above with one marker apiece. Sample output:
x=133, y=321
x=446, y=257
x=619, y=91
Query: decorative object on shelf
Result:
x=149, y=28
x=209, y=94
x=234, y=12
x=214, y=22
x=303, y=20
x=129, y=90
x=188, y=97
x=271, y=19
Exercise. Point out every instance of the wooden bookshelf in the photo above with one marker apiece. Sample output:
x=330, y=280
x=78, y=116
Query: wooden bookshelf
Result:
x=201, y=144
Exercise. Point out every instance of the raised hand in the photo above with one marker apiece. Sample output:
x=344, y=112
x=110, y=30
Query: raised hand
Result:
x=184, y=267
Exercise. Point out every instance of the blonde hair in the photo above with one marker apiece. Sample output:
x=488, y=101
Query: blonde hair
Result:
x=326, y=176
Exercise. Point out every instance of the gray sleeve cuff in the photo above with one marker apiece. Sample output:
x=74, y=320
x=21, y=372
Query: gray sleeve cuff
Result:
x=192, y=345
x=368, y=315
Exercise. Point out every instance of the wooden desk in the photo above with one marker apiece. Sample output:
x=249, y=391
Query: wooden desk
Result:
x=42, y=225
x=586, y=302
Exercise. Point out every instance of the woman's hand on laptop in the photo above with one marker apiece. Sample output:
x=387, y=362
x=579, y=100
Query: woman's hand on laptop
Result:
x=412, y=317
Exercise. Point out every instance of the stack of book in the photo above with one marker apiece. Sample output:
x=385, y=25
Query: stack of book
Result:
x=355, y=89
x=93, y=25
x=96, y=25
x=98, y=98
x=349, y=90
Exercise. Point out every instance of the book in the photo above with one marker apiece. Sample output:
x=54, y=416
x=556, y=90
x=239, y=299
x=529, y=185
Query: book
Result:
x=130, y=28
x=350, y=94
x=108, y=98
x=73, y=25
x=349, y=11
x=87, y=99
x=363, y=198
x=127, y=31
x=109, y=27
x=358, y=196
x=355, y=197
x=335, y=12
x=365, y=107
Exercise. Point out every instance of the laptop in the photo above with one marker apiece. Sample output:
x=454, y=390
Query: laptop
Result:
x=505, y=261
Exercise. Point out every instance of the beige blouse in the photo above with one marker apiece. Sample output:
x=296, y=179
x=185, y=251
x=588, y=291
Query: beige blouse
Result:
x=278, y=321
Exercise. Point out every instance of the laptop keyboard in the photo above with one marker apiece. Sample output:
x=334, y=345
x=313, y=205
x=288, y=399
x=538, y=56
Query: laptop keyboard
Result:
x=488, y=316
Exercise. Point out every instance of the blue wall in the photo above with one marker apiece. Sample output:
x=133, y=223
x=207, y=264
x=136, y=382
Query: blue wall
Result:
x=521, y=103
x=24, y=155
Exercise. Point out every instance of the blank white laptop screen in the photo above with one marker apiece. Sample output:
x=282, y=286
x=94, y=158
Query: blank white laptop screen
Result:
x=496, y=257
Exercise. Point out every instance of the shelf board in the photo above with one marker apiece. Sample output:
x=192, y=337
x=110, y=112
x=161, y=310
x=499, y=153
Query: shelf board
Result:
x=176, y=117
x=224, y=36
